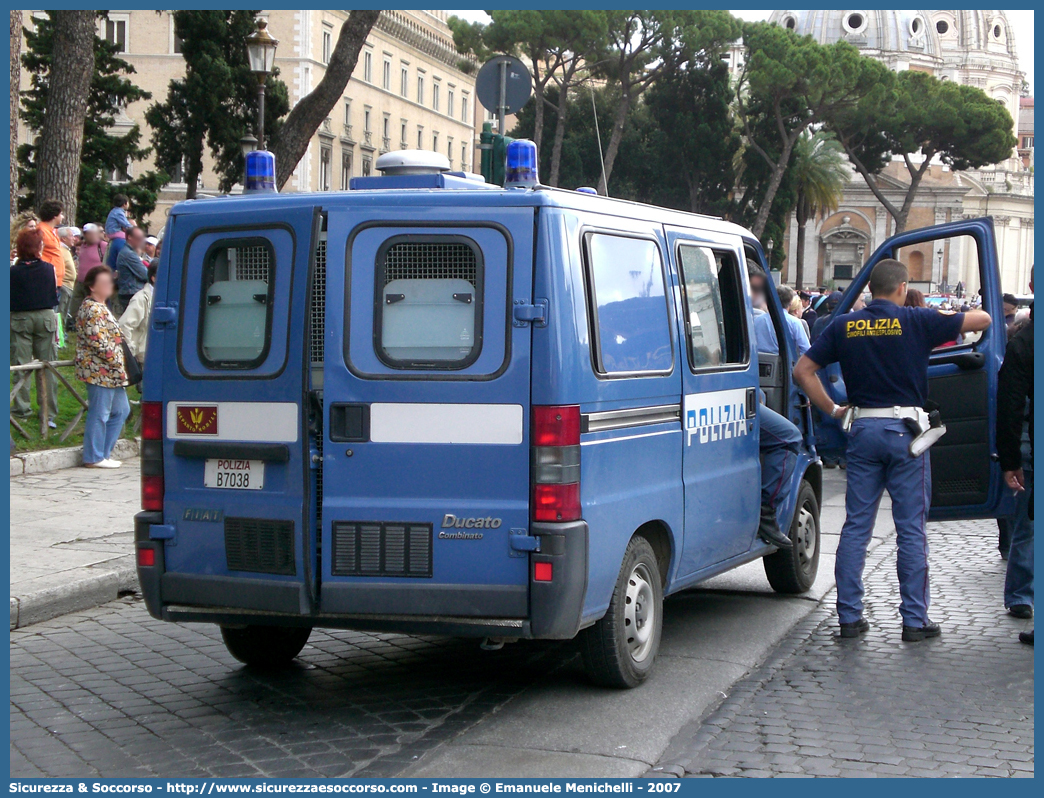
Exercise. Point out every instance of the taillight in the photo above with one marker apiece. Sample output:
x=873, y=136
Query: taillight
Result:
x=556, y=463
x=152, y=421
x=152, y=456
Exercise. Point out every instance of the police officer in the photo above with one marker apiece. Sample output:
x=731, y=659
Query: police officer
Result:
x=883, y=351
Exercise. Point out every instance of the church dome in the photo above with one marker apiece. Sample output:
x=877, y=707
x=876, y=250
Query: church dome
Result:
x=907, y=35
x=979, y=31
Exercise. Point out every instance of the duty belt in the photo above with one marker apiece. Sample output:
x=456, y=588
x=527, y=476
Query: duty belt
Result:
x=887, y=412
x=926, y=428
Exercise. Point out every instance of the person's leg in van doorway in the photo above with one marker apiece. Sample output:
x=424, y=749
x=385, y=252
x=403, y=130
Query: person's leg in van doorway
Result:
x=779, y=444
x=107, y=410
x=1018, y=583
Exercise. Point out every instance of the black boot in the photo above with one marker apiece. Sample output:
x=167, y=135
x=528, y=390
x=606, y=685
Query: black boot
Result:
x=769, y=530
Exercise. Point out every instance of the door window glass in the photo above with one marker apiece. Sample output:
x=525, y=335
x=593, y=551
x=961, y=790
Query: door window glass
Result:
x=714, y=323
x=429, y=311
x=237, y=302
x=945, y=276
x=631, y=331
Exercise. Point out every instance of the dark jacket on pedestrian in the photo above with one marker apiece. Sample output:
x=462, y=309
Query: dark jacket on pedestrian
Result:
x=32, y=286
x=1014, y=387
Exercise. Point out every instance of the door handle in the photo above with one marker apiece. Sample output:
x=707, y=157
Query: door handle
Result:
x=966, y=361
x=349, y=423
x=752, y=401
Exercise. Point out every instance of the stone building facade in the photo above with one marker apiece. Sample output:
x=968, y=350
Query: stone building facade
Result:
x=976, y=48
x=407, y=91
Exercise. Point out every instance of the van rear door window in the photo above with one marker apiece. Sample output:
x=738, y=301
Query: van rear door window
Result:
x=429, y=302
x=630, y=328
x=236, y=321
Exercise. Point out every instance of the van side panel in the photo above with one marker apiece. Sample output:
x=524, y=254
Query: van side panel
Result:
x=630, y=472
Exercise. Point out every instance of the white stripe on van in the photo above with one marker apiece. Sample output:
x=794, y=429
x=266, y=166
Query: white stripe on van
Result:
x=270, y=422
x=437, y=423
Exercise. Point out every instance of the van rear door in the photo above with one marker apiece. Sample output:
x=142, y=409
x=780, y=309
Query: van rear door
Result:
x=235, y=468
x=426, y=384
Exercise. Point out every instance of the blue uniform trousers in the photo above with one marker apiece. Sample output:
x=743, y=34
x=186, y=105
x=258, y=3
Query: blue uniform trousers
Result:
x=879, y=458
x=779, y=444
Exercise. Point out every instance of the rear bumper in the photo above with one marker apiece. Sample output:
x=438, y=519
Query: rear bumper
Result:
x=553, y=610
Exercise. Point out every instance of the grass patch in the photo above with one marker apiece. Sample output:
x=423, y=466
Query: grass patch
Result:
x=68, y=407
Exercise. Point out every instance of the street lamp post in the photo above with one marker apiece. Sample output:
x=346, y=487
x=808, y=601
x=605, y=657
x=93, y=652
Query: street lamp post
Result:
x=261, y=49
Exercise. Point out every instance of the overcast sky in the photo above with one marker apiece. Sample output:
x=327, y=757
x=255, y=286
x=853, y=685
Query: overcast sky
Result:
x=1021, y=21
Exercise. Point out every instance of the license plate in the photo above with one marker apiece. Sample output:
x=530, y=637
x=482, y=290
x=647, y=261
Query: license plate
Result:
x=234, y=474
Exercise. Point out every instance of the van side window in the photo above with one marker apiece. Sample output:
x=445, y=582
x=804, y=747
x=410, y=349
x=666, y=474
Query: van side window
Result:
x=630, y=328
x=429, y=312
x=714, y=306
x=237, y=304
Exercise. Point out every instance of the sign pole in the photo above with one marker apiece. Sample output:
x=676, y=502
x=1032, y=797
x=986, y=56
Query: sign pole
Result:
x=502, y=97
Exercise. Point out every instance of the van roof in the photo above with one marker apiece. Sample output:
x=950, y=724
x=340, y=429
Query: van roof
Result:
x=480, y=196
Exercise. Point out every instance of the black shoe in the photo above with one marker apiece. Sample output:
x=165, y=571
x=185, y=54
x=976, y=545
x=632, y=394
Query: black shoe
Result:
x=915, y=634
x=1021, y=611
x=1026, y=637
x=855, y=628
x=769, y=530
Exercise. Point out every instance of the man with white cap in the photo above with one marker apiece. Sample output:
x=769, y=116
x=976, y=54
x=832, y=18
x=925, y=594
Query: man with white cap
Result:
x=70, y=240
x=150, y=250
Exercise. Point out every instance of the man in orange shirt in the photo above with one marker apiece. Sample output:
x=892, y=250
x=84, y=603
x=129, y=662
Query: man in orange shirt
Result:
x=51, y=217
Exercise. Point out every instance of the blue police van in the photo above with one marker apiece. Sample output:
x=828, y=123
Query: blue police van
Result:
x=433, y=405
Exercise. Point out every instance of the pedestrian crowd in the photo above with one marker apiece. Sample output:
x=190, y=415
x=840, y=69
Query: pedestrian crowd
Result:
x=94, y=283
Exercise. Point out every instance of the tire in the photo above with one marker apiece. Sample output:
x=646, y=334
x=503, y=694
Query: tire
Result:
x=795, y=571
x=267, y=647
x=620, y=649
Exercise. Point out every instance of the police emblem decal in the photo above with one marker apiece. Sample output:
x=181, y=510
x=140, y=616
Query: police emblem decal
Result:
x=197, y=419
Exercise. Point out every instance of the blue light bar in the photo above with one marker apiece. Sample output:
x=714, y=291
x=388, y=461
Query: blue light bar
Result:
x=587, y=190
x=260, y=171
x=522, y=164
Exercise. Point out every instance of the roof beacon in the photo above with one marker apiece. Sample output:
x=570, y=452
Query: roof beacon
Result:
x=260, y=171
x=412, y=162
x=522, y=165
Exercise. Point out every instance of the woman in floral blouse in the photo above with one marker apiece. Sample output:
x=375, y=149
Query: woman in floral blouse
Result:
x=99, y=363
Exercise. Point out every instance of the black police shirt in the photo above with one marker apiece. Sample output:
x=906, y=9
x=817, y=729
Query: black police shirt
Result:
x=883, y=350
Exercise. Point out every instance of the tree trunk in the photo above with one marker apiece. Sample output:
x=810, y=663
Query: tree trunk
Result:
x=16, y=83
x=619, y=123
x=193, y=168
x=61, y=139
x=560, y=131
x=801, y=221
x=538, y=107
x=309, y=113
x=770, y=193
x=911, y=193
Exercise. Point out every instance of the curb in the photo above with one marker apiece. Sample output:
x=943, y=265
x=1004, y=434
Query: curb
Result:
x=80, y=594
x=695, y=736
x=71, y=457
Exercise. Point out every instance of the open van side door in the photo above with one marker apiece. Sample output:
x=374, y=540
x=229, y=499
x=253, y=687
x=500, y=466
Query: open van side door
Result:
x=962, y=378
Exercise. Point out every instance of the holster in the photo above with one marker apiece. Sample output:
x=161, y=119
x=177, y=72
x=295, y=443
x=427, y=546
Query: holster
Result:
x=927, y=428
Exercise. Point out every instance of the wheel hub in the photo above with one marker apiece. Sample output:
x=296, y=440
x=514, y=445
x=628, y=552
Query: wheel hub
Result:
x=805, y=537
x=639, y=612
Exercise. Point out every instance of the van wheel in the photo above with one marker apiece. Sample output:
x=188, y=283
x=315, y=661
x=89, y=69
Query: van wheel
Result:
x=265, y=646
x=794, y=571
x=619, y=650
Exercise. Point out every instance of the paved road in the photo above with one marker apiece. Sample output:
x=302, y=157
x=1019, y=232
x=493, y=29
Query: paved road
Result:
x=109, y=691
x=960, y=705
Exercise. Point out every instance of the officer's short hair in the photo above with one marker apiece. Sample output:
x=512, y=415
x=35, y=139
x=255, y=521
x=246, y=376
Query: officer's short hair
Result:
x=887, y=276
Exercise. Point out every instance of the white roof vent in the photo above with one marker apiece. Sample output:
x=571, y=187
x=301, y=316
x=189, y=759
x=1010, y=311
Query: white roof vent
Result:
x=413, y=162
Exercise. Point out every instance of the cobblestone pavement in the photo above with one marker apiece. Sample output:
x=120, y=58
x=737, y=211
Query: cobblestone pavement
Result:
x=112, y=692
x=959, y=705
